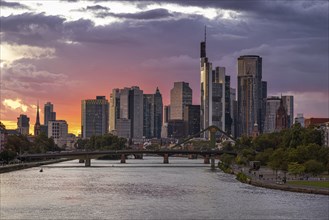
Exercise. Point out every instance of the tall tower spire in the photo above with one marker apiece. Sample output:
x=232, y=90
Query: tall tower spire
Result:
x=203, y=45
x=37, y=122
x=38, y=117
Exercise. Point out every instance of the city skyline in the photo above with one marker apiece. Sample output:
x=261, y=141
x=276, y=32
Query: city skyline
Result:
x=48, y=54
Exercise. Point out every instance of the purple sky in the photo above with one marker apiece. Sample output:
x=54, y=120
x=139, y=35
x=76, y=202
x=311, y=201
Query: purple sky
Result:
x=66, y=51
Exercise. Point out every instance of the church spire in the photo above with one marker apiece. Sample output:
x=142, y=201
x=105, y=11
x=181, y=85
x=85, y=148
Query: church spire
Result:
x=37, y=122
x=38, y=117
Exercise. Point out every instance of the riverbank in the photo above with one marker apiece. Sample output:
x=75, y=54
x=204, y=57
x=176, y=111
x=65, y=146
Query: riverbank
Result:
x=267, y=182
x=21, y=166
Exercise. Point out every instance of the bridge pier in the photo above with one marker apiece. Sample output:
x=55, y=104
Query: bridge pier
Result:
x=138, y=156
x=123, y=158
x=87, y=162
x=213, y=162
x=81, y=160
x=166, y=158
x=206, y=159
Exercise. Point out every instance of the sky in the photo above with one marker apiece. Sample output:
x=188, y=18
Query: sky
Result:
x=67, y=51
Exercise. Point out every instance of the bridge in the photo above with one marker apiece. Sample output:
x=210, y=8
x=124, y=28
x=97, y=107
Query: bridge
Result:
x=86, y=156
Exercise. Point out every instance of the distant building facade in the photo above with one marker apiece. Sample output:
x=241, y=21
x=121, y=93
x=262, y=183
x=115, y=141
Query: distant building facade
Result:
x=49, y=114
x=300, y=119
x=58, y=129
x=215, y=95
x=153, y=115
x=23, y=124
x=94, y=116
x=272, y=106
x=251, y=94
x=288, y=103
x=127, y=104
x=281, y=121
x=315, y=121
x=180, y=96
x=176, y=128
x=191, y=119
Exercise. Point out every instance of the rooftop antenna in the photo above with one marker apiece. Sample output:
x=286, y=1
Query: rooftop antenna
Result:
x=205, y=33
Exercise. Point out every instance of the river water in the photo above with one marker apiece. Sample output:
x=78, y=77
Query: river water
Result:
x=146, y=189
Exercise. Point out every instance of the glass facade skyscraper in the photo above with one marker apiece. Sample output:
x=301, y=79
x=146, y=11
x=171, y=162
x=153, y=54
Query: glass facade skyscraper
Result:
x=94, y=117
x=250, y=94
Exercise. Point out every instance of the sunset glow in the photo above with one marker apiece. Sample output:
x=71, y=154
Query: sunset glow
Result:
x=68, y=51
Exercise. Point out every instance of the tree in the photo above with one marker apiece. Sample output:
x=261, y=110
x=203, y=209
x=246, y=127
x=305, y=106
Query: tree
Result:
x=314, y=167
x=296, y=168
x=7, y=155
x=278, y=160
x=227, y=159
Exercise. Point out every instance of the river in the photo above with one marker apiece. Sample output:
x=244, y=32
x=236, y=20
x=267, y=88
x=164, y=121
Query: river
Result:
x=146, y=189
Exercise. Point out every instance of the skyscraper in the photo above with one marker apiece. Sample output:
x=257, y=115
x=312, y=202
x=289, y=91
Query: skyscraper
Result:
x=206, y=89
x=250, y=94
x=135, y=110
x=23, y=124
x=288, y=103
x=233, y=111
x=166, y=114
x=212, y=108
x=114, y=108
x=272, y=106
x=49, y=114
x=180, y=96
x=153, y=114
x=37, y=123
x=192, y=119
x=94, y=117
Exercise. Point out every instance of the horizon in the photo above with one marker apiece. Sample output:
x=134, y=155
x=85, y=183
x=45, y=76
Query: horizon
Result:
x=68, y=51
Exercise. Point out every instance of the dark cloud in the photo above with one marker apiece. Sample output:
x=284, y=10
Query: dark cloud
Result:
x=97, y=8
x=292, y=38
x=145, y=15
x=13, y=5
x=31, y=29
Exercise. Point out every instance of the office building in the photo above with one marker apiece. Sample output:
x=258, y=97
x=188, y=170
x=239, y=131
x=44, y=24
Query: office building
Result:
x=191, y=120
x=166, y=114
x=176, y=129
x=272, y=106
x=136, y=112
x=127, y=103
x=153, y=114
x=300, y=119
x=58, y=130
x=114, y=108
x=251, y=93
x=315, y=121
x=214, y=90
x=123, y=127
x=94, y=116
x=233, y=112
x=281, y=120
x=228, y=112
x=288, y=103
x=23, y=124
x=49, y=114
x=180, y=96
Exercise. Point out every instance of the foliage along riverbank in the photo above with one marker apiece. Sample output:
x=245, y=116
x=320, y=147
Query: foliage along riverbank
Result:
x=243, y=178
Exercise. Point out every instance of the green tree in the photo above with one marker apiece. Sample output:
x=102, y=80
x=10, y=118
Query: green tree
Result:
x=314, y=167
x=7, y=155
x=295, y=168
x=278, y=160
